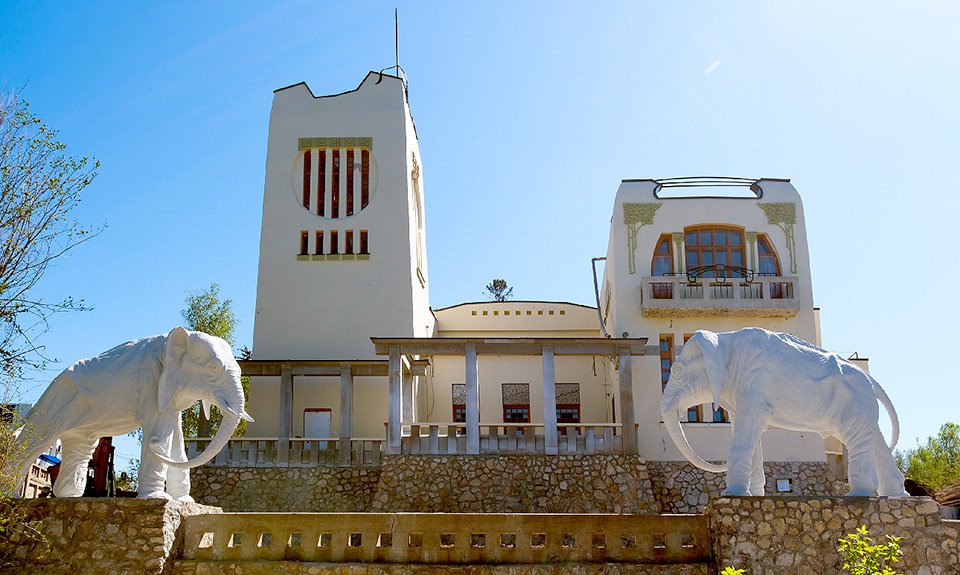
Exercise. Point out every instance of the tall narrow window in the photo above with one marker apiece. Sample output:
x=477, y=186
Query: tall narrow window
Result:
x=318, y=248
x=335, y=186
x=348, y=241
x=321, y=183
x=666, y=358
x=364, y=242
x=708, y=247
x=334, y=242
x=768, y=262
x=662, y=264
x=307, y=170
x=350, y=172
x=364, y=178
x=459, y=402
x=304, y=241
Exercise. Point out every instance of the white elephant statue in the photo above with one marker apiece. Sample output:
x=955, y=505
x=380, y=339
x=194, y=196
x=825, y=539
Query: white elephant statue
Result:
x=143, y=383
x=766, y=379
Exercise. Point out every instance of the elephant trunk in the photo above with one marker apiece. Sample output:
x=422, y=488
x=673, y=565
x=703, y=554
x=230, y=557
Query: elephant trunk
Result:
x=672, y=423
x=227, y=426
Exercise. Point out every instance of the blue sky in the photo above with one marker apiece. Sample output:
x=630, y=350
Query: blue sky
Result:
x=529, y=115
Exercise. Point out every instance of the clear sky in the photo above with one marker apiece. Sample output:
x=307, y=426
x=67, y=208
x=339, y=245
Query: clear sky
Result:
x=529, y=115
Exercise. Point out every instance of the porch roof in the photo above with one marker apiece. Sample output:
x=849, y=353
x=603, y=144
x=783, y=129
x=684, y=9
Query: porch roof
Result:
x=326, y=367
x=515, y=345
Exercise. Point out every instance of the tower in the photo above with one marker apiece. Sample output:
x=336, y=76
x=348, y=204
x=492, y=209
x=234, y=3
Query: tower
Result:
x=342, y=246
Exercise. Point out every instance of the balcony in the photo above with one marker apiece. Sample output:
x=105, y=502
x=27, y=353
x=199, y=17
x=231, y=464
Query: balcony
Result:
x=719, y=291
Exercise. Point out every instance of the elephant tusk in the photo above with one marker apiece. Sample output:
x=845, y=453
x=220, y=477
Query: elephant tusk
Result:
x=205, y=405
x=241, y=415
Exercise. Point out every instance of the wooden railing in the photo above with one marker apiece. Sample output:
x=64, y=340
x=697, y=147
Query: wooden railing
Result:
x=450, y=438
x=296, y=452
x=447, y=538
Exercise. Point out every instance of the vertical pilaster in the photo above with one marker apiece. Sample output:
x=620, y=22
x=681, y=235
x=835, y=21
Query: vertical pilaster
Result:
x=752, y=240
x=627, y=416
x=285, y=430
x=679, y=253
x=346, y=415
x=473, y=400
x=549, y=402
x=394, y=419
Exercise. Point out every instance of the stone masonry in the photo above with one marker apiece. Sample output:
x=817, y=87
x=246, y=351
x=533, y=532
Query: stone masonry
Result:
x=490, y=483
x=285, y=488
x=87, y=535
x=515, y=484
x=680, y=487
x=799, y=535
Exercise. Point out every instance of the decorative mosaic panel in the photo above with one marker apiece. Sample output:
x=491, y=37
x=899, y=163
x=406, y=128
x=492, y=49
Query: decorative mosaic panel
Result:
x=459, y=393
x=306, y=143
x=516, y=394
x=568, y=393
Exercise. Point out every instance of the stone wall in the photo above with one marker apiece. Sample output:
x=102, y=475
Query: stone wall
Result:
x=798, y=535
x=98, y=536
x=490, y=483
x=680, y=487
x=285, y=488
x=296, y=568
x=515, y=484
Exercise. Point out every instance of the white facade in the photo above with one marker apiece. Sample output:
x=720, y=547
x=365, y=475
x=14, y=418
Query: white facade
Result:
x=316, y=305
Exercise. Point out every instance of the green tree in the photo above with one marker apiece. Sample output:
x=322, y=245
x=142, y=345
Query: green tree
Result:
x=498, y=290
x=209, y=312
x=40, y=185
x=937, y=463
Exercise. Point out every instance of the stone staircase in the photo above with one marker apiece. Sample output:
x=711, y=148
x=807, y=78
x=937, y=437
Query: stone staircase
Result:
x=462, y=543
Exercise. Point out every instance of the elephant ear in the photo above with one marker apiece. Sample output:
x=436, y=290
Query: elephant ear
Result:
x=709, y=344
x=170, y=376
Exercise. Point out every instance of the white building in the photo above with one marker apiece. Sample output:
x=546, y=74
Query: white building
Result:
x=350, y=361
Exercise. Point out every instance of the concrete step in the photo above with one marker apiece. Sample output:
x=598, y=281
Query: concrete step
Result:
x=188, y=567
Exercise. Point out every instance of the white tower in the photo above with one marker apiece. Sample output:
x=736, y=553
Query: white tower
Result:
x=342, y=247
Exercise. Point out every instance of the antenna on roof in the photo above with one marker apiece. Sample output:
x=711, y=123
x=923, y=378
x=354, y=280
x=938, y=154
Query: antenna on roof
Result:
x=401, y=73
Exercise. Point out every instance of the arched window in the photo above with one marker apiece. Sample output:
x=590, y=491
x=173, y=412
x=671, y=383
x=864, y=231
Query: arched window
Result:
x=662, y=263
x=710, y=246
x=767, y=258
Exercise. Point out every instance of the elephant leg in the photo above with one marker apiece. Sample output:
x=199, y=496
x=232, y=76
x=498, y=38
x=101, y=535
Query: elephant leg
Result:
x=743, y=452
x=758, y=480
x=890, y=476
x=178, y=480
x=77, y=449
x=152, y=475
x=861, y=469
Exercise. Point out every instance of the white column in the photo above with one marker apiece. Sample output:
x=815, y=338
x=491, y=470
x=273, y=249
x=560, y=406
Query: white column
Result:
x=409, y=415
x=394, y=420
x=346, y=415
x=549, y=402
x=285, y=430
x=473, y=400
x=627, y=415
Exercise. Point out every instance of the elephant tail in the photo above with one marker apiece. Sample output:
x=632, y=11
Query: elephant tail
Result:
x=888, y=405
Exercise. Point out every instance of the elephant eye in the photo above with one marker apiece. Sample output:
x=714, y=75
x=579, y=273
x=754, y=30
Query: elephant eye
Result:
x=214, y=369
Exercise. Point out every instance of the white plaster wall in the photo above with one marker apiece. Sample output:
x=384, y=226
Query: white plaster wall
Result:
x=625, y=314
x=329, y=309
x=369, y=405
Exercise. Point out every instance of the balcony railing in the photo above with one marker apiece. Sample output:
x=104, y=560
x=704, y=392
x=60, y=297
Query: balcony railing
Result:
x=297, y=452
x=729, y=296
x=495, y=438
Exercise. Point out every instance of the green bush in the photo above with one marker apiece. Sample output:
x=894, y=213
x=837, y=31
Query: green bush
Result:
x=861, y=556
